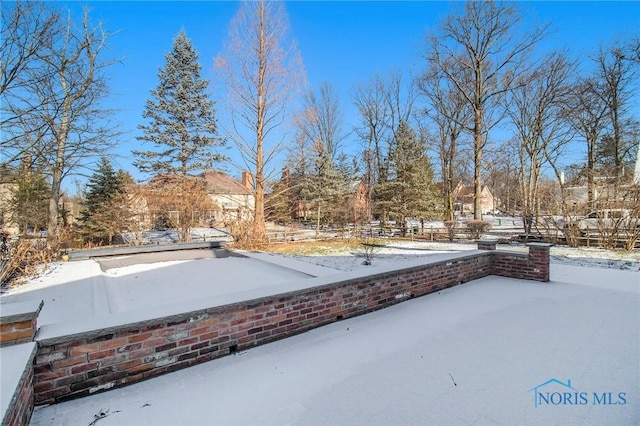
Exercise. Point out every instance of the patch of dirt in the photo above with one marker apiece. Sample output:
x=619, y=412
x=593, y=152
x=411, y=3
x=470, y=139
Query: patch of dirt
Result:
x=319, y=247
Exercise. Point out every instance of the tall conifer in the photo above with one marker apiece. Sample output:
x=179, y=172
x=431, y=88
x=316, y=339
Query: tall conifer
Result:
x=408, y=192
x=182, y=124
x=182, y=127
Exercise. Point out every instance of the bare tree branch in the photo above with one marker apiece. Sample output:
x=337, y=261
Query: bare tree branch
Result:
x=261, y=68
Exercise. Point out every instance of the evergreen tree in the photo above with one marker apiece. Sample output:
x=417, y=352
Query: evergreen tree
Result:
x=106, y=211
x=29, y=203
x=278, y=204
x=324, y=188
x=182, y=123
x=408, y=191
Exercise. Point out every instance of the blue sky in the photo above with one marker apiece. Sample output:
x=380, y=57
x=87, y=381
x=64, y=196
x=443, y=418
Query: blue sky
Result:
x=344, y=43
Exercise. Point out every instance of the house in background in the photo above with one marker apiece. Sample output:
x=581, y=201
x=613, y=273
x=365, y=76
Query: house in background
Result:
x=357, y=201
x=228, y=200
x=465, y=195
x=236, y=200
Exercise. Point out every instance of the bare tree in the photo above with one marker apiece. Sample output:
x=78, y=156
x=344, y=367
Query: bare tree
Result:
x=535, y=108
x=323, y=120
x=448, y=111
x=321, y=128
x=481, y=53
x=261, y=68
x=26, y=27
x=401, y=95
x=382, y=104
x=616, y=74
x=59, y=116
x=587, y=113
x=178, y=201
x=374, y=126
x=23, y=36
x=502, y=174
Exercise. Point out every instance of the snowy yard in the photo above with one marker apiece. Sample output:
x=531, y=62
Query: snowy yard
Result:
x=472, y=354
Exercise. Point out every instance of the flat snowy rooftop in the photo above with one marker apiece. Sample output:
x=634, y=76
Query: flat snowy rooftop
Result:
x=480, y=353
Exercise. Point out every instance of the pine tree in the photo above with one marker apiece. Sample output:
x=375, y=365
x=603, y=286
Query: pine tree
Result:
x=106, y=212
x=278, y=204
x=408, y=191
x=29, y=203
x=324, y=188
x=182, y=123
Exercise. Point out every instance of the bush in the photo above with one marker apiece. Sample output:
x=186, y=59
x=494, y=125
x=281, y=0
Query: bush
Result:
x=243, y=236
x=22, y=258
x=475, y=228
x=369, y=247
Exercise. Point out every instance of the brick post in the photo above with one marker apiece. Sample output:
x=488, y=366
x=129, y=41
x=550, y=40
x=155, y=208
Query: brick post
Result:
x=19, y=322
x=486, y=244
x=539, y=260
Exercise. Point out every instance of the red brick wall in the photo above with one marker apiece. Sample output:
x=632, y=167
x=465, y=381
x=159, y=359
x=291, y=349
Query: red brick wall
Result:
x=22, y=408
x=18, y=411
x=74, y=366
x=12, y=333
x=534, y=266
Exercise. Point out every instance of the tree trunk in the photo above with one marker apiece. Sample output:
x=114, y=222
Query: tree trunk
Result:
x=259, y=232
x=318, y=222
x=477, y=172
x=591, y=169
x=56, y=183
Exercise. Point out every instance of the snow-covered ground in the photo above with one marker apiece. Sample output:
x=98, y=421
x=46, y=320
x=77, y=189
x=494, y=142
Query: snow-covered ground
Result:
x=83, y=289
x=472, y=354
x=350, y=259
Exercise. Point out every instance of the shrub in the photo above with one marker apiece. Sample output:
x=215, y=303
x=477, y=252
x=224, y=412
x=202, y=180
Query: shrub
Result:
x=243, y=236
x=369, y=247
x=22, y=258
x=475, y=228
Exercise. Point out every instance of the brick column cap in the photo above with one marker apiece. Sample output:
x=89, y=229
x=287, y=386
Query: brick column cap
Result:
x=540, y=245
x=20, y=311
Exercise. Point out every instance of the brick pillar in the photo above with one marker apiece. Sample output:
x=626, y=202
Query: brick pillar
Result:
x=486, y=244
x=19, y=322
x=539, y=260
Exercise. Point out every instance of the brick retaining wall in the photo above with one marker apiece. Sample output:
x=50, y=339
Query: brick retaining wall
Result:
x=534, y=266
x=69, y=367
x=19, y=408
x=18, y=326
